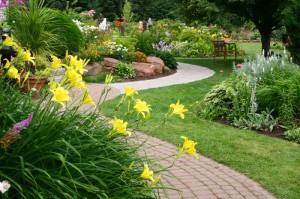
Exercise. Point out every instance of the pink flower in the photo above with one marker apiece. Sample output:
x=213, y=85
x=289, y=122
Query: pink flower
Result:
x=221, y=71
x=92, y=12
x=239, y=65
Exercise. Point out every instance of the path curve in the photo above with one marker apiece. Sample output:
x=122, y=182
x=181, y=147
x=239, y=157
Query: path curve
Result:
x=203, y=178
x=186, y=73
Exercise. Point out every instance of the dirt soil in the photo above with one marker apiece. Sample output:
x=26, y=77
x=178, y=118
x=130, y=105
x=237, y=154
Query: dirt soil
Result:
x=172, y=71
x=277, y=132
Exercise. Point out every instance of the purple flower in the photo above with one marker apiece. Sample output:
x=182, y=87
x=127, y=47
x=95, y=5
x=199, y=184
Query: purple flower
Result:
x=12, y=135
x=21, y=125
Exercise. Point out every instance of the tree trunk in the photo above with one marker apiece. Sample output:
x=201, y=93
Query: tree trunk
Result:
x=265, y=42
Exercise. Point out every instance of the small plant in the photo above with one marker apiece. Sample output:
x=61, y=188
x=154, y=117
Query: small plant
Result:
x=136, y=57
x=259, y=121
x=124, y=70
x=293, y=135
x=163, y=51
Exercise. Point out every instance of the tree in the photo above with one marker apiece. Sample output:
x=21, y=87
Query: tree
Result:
x=127, y=11
x=291, y=22
x=157, y=9
x=267, y=15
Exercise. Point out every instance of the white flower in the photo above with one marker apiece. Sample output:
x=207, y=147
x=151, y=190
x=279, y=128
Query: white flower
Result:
x=33, y=90
x=4, y=186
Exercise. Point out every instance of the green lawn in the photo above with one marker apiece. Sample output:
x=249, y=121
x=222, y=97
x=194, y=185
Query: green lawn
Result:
x=272, y=162
x=251, y=49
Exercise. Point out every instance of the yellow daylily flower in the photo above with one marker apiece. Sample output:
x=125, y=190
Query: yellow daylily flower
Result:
x=53, y=85
x=67, y=56
x=75, y=78
x=155, y=181
x=188, y=147
x=129, y=91
x=87, y=99
x=119, y=126
x=8, y=41
x=7, y=64
x=13, y=73
x=60, y=95
x=56, y=62
x=178, y=109
x=147, y=174
x=78, y=65
x=142, y=107
x=108, y=79
x=26, y=56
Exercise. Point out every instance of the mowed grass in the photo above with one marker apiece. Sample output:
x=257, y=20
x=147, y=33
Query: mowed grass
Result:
x=251, y=49
x=271, y=162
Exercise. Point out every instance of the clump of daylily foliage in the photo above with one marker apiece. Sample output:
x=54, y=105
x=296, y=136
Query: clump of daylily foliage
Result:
x=51, y=148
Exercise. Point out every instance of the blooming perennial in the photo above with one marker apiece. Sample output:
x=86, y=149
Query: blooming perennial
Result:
x=130, y=92
x=178, y=109
x=56, y=63
x=147, y=174
x=13, y=73
x=4, y=186
x=8, y=41
x=142, y=107
x=119, y=127
x=60, y=95
x=188, y=147
x=87, y=99
x=12, y=135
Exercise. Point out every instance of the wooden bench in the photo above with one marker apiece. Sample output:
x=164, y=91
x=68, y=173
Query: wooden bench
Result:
x=221, y=47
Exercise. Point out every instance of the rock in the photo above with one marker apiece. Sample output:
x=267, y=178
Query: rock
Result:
x=167, y=69
x=110, y=62
x=93, y=69
x=157, y=62
x=143, y=69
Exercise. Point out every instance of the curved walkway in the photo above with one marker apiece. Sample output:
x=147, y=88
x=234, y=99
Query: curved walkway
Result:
x=203, y=178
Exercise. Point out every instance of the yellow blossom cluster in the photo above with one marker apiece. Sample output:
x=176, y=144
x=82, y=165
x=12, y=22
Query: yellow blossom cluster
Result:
x=73, y=78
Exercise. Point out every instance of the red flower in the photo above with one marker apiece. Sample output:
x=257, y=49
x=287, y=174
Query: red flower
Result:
x=239, y=65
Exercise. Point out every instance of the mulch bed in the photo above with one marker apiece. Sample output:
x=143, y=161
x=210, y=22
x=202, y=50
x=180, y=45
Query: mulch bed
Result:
x=164, y=74
x=277, y=132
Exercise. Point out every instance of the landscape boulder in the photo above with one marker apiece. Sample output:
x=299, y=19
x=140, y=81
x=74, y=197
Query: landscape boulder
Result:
x=143, y=69
x=93, y=69
x=157, y=62
x=110, y=63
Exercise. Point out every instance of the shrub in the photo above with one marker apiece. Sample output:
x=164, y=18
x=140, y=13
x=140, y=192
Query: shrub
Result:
x=124, y=70
x=70, y=35
x=293, y=135
x=93, y=52
x=136, y=57
x=114, y=50
x=168, y=58
x=163, y=51
x=144, y=42
x=42, y=30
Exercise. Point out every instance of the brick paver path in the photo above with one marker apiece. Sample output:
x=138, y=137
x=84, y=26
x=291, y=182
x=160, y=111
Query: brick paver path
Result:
x=202, y=178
